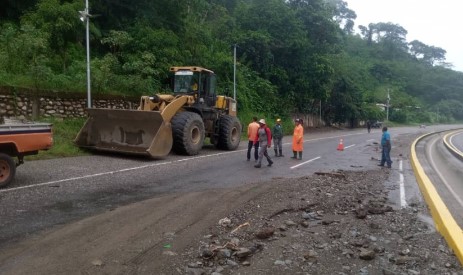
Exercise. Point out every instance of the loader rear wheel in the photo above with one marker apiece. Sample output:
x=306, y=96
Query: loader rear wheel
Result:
x=7, y=169
x=229, y=133
x=187, y=133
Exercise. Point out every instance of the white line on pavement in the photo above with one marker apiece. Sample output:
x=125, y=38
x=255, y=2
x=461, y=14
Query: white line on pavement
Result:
x=403, y=202
x=305, y=162
x=109, y=172
x=146, y=166
x=349, y=146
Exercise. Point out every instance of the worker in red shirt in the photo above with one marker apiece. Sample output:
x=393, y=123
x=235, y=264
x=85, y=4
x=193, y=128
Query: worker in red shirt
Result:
x=264, y=137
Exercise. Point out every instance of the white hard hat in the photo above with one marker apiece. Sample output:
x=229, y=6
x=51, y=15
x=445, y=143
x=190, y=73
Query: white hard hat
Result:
x=262, y=121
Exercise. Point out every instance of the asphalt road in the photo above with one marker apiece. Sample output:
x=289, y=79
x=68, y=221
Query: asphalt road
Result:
x=49, y=193
x=457, y=141
x=444, y=170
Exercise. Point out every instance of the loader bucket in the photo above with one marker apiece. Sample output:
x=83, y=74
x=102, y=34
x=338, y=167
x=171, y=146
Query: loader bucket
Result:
x=126, y=131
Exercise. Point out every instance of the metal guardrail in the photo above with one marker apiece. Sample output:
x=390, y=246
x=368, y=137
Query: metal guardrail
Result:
x=444, y=221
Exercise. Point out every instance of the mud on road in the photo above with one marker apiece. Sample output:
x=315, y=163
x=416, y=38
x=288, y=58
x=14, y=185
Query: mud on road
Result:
x=333, y=222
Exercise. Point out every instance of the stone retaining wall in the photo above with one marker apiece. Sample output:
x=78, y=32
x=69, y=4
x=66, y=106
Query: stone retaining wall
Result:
x=20, y=103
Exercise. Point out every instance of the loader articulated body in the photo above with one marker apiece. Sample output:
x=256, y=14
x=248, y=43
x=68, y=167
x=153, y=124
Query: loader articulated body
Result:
x=179, y=121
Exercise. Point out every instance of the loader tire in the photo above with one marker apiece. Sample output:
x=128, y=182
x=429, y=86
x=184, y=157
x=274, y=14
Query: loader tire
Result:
x=187, y=133
x=7, y=169
x=229, y=133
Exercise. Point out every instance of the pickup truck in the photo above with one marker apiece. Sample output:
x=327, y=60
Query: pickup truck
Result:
x=19, y=139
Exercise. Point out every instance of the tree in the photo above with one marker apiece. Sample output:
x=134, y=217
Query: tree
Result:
x=58, y=19
x=344, y=16
x=428, y=54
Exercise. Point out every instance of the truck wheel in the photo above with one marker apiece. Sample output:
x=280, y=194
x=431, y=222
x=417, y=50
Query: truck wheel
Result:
x=188, y=133
x=7, y=169
x=229, y=133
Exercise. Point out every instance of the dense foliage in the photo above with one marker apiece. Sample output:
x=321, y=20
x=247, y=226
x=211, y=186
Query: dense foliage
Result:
x=292, y=56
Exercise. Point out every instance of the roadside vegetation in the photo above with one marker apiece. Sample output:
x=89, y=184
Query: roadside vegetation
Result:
x=64, y=133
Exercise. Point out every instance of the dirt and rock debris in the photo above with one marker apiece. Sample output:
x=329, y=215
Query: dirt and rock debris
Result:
x=327, y=222
x=332, y=223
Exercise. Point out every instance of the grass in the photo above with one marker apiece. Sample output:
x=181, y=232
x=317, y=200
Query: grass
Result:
x=64, y=133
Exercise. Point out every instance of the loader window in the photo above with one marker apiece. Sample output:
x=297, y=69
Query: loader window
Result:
x=183, y=82
x=210, y=83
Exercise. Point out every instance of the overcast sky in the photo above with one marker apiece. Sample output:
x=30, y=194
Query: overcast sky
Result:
x=435, y=23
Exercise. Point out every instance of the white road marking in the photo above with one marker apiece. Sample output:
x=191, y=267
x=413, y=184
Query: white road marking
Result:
x=148, y=166
x=305, y=162
x=349, y=146
x=371, y=140
x=110, y=172
x=403, y=201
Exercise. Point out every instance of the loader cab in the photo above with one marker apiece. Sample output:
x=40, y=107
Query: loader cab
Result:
x=184, y=82
x=195, y=81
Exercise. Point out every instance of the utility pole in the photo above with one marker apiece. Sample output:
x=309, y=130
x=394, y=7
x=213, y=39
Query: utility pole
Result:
x=85, y=16
x=387, y=105
x=234, y=72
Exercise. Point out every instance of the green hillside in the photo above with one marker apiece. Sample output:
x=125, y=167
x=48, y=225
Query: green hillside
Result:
x=292, y=57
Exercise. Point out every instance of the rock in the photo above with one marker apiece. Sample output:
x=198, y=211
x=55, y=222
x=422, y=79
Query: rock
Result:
x=195, y=265
x=327, y=221
x=206, y=253
x=367, y=254
x=256, y=247
x=265, y=233
x=97, y=262
x=311, y=254
x=290, y=223
x=243, y=253
x=279, y=262
x=231, y=263
x=309, y=216
x=224, y=253
x=405, y=260
x=379, y=210
x=388, y=272
x=361, y=213
x=404, y=252
x=194, y=271
x=225, y=222
x=169, y=253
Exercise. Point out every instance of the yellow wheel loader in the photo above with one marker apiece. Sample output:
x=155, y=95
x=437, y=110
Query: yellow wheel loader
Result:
x=179, y=121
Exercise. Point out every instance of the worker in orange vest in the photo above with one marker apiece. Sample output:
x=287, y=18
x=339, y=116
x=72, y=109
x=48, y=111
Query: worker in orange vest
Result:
x=253, y=127
x=298, y=140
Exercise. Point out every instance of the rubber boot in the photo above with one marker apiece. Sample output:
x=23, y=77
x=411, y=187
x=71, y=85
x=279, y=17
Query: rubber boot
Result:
x=276, y=154
x=300, y=155
x=281, y=155
x=270, y=162
x=295, y=155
